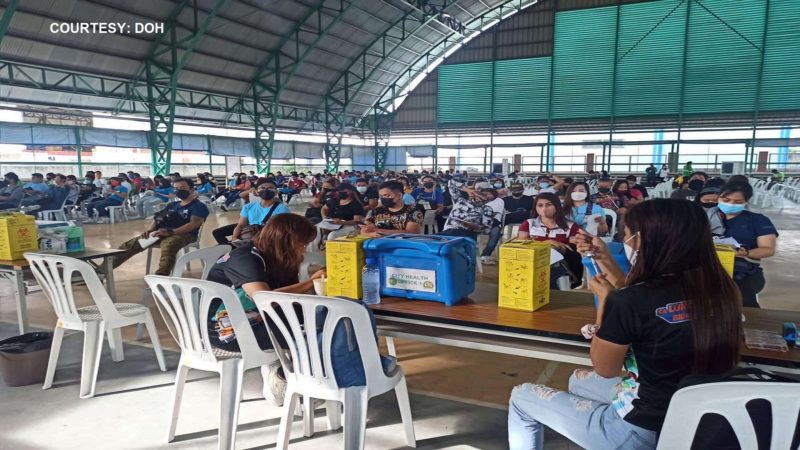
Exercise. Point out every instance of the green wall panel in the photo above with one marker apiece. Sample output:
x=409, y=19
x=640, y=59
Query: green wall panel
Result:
x=780, y=87
x=649, y=58
x=723, y=55
x=465, y=93
x=522, y=89
x=723, y=60
x=583, y=63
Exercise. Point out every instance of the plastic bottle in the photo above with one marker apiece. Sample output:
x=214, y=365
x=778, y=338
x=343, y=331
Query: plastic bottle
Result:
x=371, y=282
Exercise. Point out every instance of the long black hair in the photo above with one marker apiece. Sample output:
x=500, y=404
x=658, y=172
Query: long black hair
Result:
x=568, y=202
x=675, y=238
x=560, y=218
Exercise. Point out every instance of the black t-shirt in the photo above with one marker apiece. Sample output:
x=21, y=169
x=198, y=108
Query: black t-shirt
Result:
x=641, y=189
x=346, y=212
x=518, y=204
x=652, y=318
x=246, y=265
x=371, y=193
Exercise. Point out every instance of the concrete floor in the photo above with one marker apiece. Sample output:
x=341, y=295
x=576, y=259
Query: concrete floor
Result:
x=459, y=394
x=131, y=406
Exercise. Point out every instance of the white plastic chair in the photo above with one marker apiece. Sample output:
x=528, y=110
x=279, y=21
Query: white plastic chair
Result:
x=207, y=257
x=113, y=211
x=184, y=303
x=54, y=214
x=613, y=228
x=51, y=272
x=729, y=400
x=429, y=225
x=310, y=372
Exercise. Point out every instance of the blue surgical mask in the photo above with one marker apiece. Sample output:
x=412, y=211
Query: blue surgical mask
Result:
x=498, y=185
x=730, y=208
x=544, y=184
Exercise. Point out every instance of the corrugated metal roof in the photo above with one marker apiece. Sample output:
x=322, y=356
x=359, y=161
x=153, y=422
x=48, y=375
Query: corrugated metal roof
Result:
x=240, y=38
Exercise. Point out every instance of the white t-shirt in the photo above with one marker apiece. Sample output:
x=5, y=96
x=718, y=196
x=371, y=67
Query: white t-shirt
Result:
x=498, y=206
x=127, y=185
x=99, y=182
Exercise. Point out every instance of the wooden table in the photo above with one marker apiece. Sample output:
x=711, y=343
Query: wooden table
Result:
x=15, y=271
x=551, y=333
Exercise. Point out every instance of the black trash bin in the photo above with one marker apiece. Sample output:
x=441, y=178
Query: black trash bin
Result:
x=23, y=359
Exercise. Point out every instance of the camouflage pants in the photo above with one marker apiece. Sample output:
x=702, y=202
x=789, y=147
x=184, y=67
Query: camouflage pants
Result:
x=169, y=251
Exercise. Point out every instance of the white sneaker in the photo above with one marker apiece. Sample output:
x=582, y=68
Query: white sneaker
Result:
x=104, y=220
x=488, y=261
x=274, y=390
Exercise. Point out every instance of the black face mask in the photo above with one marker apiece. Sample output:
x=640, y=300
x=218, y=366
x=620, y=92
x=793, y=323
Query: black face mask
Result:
x=516, y=194
x=428, y=185
x=387, y=202
x=267, y=194
x=708, y=205
x=696, y=185
x=603, y=190
x=182, y=194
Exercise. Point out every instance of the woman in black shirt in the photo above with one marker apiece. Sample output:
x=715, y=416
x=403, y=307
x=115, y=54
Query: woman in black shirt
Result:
x=345, y=208
x=676, y=313
x=271, y=262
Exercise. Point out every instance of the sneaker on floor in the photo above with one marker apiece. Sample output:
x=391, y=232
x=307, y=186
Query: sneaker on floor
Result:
x=224, y=208
x=274, y=383
x=104, y=220
x=88, y=220
x=487, y=261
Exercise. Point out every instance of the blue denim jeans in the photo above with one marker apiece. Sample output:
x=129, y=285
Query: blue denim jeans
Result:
x=494, y=237
x=584, y=415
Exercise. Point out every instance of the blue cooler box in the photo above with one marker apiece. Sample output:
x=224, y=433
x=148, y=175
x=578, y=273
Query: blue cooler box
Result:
x=438, y=268
x=617, y=251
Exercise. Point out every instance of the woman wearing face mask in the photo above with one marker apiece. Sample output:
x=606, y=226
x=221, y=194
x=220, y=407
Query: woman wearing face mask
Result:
x=270, y=262
x=254, y=213
x=369, y=195
x=708, y=198
x=622, y=191
x=345, y=208
x=549, y=224
x=320, y=199
x=577, y=206
x=500, y=186
x=676, y=314
x=754, y=232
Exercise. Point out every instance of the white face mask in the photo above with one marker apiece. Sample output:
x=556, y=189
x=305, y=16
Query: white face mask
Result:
x=578, y=196
x=630, y=253
x=361, y=189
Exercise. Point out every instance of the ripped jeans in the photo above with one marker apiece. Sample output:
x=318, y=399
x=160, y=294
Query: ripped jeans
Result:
x=584, y=415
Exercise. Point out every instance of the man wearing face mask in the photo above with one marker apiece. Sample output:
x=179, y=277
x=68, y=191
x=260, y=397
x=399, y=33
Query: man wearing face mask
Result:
x=430, y=194
x=604, y=196
x=689, y=191
x=254, y=213
x=392, y=216
x=176, y=226
x=518, y=205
